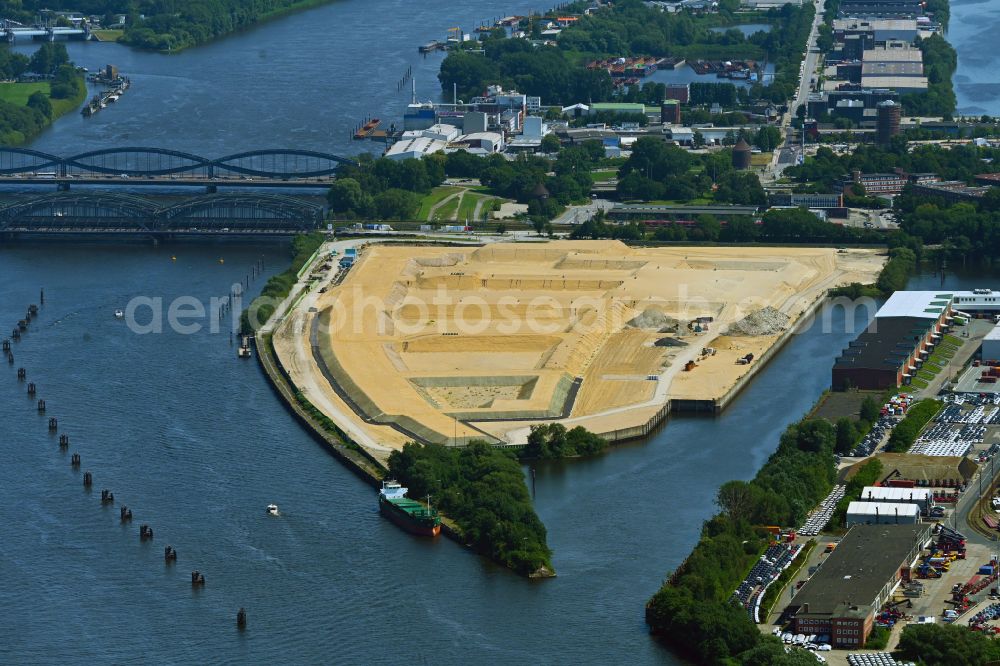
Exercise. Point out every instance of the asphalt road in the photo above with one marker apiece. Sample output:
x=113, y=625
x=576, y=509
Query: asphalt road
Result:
x=788, y=154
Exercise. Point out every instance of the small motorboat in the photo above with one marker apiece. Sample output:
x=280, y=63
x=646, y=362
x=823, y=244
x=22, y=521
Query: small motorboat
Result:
x=119, y=314
x=272, y=509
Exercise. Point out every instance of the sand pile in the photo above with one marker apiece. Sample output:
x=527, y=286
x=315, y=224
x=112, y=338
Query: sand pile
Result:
x=654, y=320
x=766, y=321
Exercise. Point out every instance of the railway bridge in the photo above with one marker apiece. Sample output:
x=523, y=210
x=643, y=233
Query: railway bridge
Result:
x=228, y=214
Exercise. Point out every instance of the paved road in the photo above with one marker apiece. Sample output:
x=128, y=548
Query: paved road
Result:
x=580, y=214
x=788, y=154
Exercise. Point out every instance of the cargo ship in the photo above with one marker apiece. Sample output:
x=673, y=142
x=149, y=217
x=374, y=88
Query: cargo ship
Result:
x=411, y=515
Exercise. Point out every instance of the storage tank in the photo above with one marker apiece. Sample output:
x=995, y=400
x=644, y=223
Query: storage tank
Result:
x=741, y=155
x=887, y=121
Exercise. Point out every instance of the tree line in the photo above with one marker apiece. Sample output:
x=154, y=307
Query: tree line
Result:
x=161, y=25
x=656, y=171
x=381, y=188
x=692, y=612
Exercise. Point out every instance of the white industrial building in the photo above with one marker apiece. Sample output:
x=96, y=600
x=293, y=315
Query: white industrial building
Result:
x=882, y=513
x=414, y=147
x=479, y=143
x=922, y=497
x=991, y=345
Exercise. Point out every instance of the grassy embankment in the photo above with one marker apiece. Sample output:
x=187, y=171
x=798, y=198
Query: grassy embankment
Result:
x=107, y=35
x=278, y=286
x=434, y=197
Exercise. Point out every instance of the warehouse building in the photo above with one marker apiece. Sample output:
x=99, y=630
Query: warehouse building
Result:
x=882, y=513
x=991, y=345
x=881, y=30
x=900, y=9
x=843, y=596
x=923, y=498
x=900, y=337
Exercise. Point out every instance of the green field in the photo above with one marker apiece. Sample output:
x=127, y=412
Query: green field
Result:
x=18, y=94
x=446, y=213
x=467, y=207
x=429, y=200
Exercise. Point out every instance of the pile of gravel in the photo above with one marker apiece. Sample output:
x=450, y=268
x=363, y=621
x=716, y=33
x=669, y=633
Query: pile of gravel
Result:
x=766, y=321
x=653, y=319
x=670, y=342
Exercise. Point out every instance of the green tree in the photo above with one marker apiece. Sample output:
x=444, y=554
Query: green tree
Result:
x=346, y=196
x=946, y=645
x=40, y=102
x=870, y=410
x=709, y=226
x=538, y=224
x=550, y=144
x=767, y=138
x=735, y=500
x=846, y=436
x=396, y=204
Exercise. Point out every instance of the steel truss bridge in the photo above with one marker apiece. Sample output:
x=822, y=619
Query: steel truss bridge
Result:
x=160, y=166
x=102, y=212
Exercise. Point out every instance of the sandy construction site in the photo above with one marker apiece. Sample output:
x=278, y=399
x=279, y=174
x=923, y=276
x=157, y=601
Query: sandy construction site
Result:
x=447, y=344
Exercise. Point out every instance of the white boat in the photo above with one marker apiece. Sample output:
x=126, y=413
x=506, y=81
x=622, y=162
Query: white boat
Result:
x=272, y=509
x=119, y=314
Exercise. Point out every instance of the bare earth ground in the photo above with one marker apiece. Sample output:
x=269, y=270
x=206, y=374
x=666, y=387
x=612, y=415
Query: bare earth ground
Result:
x=449, y=344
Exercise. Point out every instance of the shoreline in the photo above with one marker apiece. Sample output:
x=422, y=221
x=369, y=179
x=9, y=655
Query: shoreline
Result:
x=340, y=446
x=299, y=6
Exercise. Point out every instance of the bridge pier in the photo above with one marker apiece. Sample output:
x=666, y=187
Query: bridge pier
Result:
x=211, y=189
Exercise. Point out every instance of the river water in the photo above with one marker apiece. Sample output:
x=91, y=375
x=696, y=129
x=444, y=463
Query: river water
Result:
x=197, y=444
x=973, y=27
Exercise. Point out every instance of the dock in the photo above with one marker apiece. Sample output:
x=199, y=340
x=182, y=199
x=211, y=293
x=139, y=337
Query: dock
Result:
x=431, y=46
x=367, y=130
x=116, y=87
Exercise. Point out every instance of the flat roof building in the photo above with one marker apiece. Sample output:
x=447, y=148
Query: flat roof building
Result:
x=882, y=513
x=920, y=304
x=899, y=83
x=855, y=580
x=991, y=345
x=414, y=148
x=921, y=497
x=897, y=341
x=882, y=30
